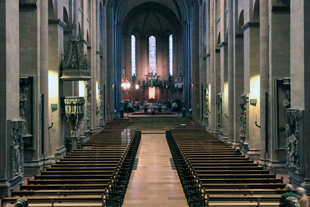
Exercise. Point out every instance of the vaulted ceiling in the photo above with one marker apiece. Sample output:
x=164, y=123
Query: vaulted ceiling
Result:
x=145, y=17
x=172, y=5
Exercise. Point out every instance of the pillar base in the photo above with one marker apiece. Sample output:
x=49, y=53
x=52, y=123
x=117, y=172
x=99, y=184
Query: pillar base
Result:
x=306, y=185
x=224, y=137
x=253, y=154
x=298, y=180
x=277, y=166
x=92, y=133
x=61, y=152
x=7, y=187
x=32, y=167
x=236, y=143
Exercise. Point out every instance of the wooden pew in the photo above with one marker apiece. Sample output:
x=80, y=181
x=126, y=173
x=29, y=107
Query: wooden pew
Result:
x=99, y=173
x=211, y=173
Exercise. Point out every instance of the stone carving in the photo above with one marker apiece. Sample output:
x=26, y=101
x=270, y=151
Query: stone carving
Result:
x=23, y=88
x=219, y=110
x=293, y=133
x=88, y=96
x=16, y=148
x=97, y=108
x=207, y=107
x=243, y=115
x=74, y=64
x=286, y=89
x=101, y=98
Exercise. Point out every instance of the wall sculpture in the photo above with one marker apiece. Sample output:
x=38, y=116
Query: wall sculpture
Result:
x=243, y=103
x=16, y=149
x=207, y=107
x=294, y=134
x=219, y=111
x=88, y=96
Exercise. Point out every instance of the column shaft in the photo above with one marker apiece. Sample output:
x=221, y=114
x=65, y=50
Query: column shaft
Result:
x=230, y=71
x=44, y=67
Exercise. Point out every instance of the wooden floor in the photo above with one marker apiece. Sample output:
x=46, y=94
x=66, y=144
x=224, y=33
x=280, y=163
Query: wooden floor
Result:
x=154, y=183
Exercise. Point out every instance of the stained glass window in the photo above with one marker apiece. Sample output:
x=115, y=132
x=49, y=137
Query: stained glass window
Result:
x=152, y=54
x=133, y=55
x=170, y=54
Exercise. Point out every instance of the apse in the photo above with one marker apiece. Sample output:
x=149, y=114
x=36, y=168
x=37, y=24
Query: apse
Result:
x=151, y=52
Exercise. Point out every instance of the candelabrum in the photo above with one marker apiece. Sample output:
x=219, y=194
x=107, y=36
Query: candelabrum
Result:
x=74, y=112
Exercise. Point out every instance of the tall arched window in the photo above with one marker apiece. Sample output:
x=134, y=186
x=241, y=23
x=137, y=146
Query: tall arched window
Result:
x=133, y=55
x=171, y=54
x=152, y=54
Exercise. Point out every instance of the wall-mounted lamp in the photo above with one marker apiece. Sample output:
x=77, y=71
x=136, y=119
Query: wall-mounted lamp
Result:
x=256, y=121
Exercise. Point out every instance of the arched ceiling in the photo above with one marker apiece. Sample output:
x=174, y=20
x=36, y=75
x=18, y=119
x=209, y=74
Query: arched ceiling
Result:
x=171, y=4
x=150, y=16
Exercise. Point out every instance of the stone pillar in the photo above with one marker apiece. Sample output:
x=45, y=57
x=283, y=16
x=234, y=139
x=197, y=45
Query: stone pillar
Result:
x=44, y=68
x=104, y=61
x=9, y=79
x=277, y=70
x=212, y=120
x=238, y=72
x=186, y=65
x=300, y=80
x=264, y=71
x=230, y=51
x=93, y=63
x=251, y=87
x=56, y=47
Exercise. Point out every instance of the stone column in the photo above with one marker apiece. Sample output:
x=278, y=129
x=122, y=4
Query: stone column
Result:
x=44, y=68
x=264, y=70
x=93, y=128
x=277, y=70
x=104, y=61
x=230, y=71
x=56, y=47
x=251, y=87
x=300, y=80
x=76, y=11
x=9, y=90
x=212, y=121
x=238, y=78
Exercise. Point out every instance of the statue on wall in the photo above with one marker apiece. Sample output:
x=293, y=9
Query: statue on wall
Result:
x=16, y=152
x=207, y=107
x=219, y=110
x=88, y=96
x=293, y=133
x=243, y=115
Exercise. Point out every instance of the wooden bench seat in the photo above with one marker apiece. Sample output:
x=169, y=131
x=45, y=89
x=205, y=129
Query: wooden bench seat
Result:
x=69, y=181
x=58, y=192
x=71, y=176
x=79, y=168
x=108, y=161
x=254, y=167
x=85, y=165
x=243, y=180
x=49, y=199
x=231, y=171
x=209, y=176
x=244, y=186
x=64, y=186
x=246, y=192
x=86, y=172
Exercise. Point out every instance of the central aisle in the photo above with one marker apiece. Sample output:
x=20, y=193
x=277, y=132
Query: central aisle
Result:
x=154, y=183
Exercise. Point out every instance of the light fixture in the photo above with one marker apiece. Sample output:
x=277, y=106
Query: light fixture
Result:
x=137, y=86
x=128, y=85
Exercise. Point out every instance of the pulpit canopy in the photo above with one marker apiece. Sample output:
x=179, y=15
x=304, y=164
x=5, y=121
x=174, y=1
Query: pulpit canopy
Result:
x=74, y=64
